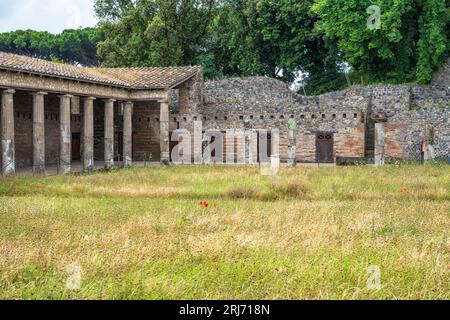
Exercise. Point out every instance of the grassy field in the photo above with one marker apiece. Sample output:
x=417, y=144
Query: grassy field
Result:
x=308, y=233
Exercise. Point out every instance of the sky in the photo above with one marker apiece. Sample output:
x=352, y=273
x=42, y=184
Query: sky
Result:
x=46, y=15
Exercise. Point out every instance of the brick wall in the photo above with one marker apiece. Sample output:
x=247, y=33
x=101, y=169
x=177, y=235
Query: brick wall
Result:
x=146, y=129
x=23, y=126
x=267, y=104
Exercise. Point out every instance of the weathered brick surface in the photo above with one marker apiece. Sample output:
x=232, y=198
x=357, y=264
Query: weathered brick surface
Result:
x=146, y=140
x=265, y=104
x=268, y=104
x=23, y=123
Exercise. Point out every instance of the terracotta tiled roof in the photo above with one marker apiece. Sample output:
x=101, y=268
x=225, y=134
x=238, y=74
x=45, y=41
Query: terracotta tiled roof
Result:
x=132, y=78
x=149, y=78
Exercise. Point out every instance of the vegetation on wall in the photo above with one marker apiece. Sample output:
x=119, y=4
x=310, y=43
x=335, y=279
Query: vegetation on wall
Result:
x=282, y=39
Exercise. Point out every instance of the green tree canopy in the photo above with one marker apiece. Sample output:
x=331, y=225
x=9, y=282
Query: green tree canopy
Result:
x=227, y=37
x=411, y=43
x=77, y=46
x=276, y=38
x=153, y=32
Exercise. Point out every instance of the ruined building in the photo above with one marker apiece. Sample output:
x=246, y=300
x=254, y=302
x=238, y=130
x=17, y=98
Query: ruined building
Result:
x=57, y=114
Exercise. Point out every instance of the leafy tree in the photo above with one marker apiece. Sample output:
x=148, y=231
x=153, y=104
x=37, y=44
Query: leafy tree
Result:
x=411, y=43
x=279, y=39
x=276, y=39
x=77, y=46
x=153, y=32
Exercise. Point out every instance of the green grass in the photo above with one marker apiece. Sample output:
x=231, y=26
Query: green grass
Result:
x=308, y=233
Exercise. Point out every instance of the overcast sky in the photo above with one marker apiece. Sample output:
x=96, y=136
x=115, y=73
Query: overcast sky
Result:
x=46, y=15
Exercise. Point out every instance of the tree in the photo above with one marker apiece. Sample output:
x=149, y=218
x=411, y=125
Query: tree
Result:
x=275, y=39
x=78, y=46
x=411, y=43
x=153, y=32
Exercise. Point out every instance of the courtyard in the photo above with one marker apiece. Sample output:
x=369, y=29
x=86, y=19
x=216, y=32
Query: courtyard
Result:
x=227, y=232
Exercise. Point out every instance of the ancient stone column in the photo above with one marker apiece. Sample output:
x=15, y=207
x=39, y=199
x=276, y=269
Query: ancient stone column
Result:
x=109, y=134
x=65, y=146
x=127, y=134
x=248, y=142
x=7, y=126
x=88, y=134
x=292, y=148
x=164, y=133
x=379, y=144
x=206, y=147
x=38, y=133
x=198, y=137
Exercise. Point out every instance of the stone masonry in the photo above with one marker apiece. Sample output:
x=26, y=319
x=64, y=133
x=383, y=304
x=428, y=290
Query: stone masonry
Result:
x=350, y=115
x=56, y=114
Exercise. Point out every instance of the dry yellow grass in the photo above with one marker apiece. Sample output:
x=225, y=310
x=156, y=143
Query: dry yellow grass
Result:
x=307, y=233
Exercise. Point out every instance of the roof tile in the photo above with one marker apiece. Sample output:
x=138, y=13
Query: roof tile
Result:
x=132, y=78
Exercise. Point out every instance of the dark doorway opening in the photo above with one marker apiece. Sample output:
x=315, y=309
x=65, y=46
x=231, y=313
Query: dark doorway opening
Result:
x=324, y=147
x=264, y=157
x=76, y=147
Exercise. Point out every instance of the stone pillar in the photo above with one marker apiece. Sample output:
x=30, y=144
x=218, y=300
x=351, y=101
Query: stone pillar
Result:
x=109, y=134
x=206, y=147
x=7, y=124
x=65, y=146
x=38, y=133
x=248, y=142
x=292, y=147
x=164, y=133
x=127, y=134
x=379, y=144
x=88, y=134
x=198, y=138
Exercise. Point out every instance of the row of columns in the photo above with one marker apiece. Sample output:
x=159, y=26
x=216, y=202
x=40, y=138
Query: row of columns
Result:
x=65, y=158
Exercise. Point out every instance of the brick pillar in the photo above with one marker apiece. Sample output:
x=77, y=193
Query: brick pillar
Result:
x=164, y=133
x=88, y=134
x=7, y=133
x=65, y=139
x=127, y=134
x=109, y=134
x=379, y=144
x=38, y=133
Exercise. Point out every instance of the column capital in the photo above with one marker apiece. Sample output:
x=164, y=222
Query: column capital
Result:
x=109, y=100
x=65, y=96
x=9, y=91
x=39, y=93
x=90, y=98
x=128, y=102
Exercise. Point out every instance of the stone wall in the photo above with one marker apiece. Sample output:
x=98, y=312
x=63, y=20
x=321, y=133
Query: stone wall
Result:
x=265, y=104
x=436, y=94
x=350, y=114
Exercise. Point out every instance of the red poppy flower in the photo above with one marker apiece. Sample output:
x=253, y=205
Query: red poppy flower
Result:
x=206, y=205
x=403, y=190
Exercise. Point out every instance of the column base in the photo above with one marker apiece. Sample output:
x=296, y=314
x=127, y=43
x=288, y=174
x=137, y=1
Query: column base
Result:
x=127, y=162
x=88, y=166
x=165, y=158
x=64, y=167
x=109, y=164
x=8, y=161
x=292, y=156
x=39, y=169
